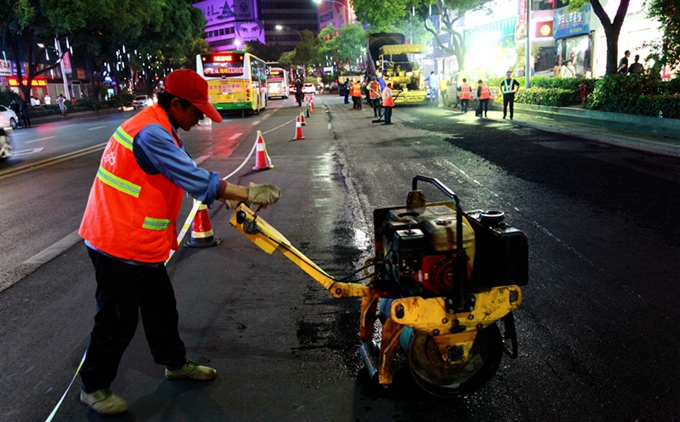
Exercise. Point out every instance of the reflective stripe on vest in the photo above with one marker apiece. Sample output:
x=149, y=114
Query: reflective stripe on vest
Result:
x=465, y=91
x=156, y=223
x=123, y=138
x=356, y=90
x=118, y=183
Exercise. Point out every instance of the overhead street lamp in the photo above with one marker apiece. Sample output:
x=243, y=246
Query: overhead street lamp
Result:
x=57, y=48
x=287, y=28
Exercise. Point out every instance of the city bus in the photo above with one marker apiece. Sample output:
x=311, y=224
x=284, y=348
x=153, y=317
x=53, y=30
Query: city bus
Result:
x=277, y=83
x=237, y=80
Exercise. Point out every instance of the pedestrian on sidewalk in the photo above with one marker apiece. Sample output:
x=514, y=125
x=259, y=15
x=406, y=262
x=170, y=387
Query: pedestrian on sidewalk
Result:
x=509, y=88
x=568, y=70
x=636, y=67
x=433, y=83
x=61, y=101
x=483, y=94
x=24, y=113
x=623, y=63
x=346, y=87
x=388, y=103
x=145, y=168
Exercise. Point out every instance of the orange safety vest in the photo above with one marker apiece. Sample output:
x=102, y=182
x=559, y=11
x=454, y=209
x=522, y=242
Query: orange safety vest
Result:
x=387, y=97
x=356, y=89
x=374, y=89
x=465, y=91
x=130, y=214
x=484, y=94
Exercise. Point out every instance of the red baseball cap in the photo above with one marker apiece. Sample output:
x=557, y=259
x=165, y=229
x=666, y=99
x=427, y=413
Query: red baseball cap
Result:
x=189, y=85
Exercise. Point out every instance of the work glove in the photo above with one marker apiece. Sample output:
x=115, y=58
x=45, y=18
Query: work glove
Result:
x=264, y=195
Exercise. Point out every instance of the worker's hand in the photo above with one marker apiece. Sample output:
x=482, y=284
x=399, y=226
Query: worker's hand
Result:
x=232, y=204
x=264, y=195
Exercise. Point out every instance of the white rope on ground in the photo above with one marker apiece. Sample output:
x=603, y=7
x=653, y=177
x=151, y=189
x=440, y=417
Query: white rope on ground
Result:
x=181, y=235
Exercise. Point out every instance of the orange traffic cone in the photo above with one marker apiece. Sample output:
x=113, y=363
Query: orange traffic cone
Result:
x=303, y=122
x=298, y=130
x=262, y=160
x=201, y=230
x=311, y=106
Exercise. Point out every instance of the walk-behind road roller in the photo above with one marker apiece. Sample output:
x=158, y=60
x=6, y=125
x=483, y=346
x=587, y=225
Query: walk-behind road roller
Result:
x=440, y=288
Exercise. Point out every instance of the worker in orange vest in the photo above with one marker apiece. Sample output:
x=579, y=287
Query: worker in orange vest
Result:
x=464, y=95
x=388, y=103
x=356, y=95
x=129, y=228
x=484, y=94
x=374, y=95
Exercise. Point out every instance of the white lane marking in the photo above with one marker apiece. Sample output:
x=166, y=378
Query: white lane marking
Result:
x=96, y=127
x=40, y=139
x=54, y=250
x=329, y=126
x=256, y=123
x=234, y=136
x=201, y=159
x=26, y=151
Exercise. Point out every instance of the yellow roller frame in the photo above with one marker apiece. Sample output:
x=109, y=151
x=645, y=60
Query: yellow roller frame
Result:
x=427, y=315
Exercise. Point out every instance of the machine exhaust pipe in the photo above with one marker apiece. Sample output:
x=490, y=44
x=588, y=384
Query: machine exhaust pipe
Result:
x=369, y=353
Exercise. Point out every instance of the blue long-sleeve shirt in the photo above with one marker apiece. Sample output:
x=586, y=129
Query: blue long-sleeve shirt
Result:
x=156, y=152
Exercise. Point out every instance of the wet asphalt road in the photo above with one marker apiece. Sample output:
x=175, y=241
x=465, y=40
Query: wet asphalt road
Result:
x=597, y=327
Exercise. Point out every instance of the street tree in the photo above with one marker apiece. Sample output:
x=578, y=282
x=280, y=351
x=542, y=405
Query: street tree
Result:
x=612, y=28
x=267, y=52
x=382, y=16
x=342, y=46
x=667, y=52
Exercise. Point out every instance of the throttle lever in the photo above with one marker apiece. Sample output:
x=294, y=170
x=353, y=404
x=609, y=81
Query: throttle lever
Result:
x=251, y=227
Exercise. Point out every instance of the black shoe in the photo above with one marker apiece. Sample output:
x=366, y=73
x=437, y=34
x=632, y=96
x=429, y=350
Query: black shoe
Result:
x=510, y=117
x=504, y=117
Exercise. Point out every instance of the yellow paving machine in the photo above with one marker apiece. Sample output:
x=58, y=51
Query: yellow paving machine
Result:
x=442, y=283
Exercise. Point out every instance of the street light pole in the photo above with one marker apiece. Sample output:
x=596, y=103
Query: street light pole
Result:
x=63, y=68
x=287, y=28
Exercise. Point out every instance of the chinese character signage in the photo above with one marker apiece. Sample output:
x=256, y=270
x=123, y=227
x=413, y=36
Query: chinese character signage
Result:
x=567, y=24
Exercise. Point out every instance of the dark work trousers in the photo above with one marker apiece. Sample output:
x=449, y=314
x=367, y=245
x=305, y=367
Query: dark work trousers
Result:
x=464, y=105
x=388, y=115
x=508, y=99
x=484, y=107
x=347, y=96
x=375, y=102
x=122, y=291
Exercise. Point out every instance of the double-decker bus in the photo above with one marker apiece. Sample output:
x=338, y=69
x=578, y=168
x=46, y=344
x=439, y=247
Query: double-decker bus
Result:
x=237, y=80
x=277, y=83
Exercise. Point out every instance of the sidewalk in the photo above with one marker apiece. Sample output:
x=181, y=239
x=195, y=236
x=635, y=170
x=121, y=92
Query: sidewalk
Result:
x=75, y=115
x=644, y=133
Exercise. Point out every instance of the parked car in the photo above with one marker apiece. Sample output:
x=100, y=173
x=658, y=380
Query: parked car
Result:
x=142, y=101
x=5, y=143
x=308, y=89
x=8, y=118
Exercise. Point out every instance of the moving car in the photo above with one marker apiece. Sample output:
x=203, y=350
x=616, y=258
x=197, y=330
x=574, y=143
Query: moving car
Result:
x=5, y=143
x=8, y=119
x=308, y=88
x=142, y=101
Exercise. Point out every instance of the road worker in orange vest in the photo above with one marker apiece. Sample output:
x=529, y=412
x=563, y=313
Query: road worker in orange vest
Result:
x=129, y=227
x=374, y=95
x=388, y=103
x=356, y=95
x=465, y=92
x=484, y=94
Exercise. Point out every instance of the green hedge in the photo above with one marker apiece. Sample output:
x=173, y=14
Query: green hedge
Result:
x=643, y=95
x=554, y=97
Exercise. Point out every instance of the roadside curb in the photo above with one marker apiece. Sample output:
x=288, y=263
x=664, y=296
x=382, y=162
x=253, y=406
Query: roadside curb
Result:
x=629, y=122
